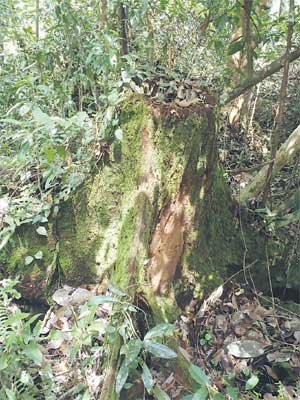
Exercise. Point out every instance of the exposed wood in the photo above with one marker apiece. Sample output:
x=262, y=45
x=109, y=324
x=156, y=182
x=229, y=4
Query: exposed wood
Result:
x=285, y=154
x=259, y=76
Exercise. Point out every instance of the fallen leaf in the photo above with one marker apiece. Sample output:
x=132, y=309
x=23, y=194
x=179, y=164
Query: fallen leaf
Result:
x=245, y=349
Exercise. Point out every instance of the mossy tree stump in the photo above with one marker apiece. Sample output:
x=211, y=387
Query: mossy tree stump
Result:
x=157, y=218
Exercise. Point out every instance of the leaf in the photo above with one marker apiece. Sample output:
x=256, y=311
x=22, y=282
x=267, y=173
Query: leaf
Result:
x=61, y=151
x=38, y=255
x=102, y=300
x=201, y=394
x=198, y=375
x=33, y=352
x=49, y=153
x=131, y=350
x=159, y=350
x=233, y=392
x=116, y=291
x=252, y=382
x=42, y=118
x=18, y=316
x=245, y=349
x=28, y=260
x=122, y=377
x=159, y=330
x=236, y=46
x=41, y=230
x=160, y=394
x=10, y=394
x=147, y=378
x=119, y=134
x=218, y=396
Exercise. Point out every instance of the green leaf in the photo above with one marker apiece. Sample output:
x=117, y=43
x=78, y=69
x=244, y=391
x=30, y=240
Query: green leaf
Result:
x=18, y=316
x=159, y=350
x=122, y=377
x=49, y=153
x=218, y=396
x=86, y=395
x=201, y=394
x=32, y=350
x=41, y=230
x=38, y=255
x=102, y=300
x=131, y=350
x=233, y=392
x=160, y=394
x=236, y=46
x=159, y=330
x=28, y=260
x=42, y=118
x=147, y=378
x=198, y=375
x=61, y=151
x=116, y=291
x=3, y=362
x=10, y=394
x=252, y=382
x=119, y=134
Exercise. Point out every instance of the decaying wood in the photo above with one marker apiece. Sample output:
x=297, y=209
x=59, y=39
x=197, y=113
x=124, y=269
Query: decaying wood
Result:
x=284, y=155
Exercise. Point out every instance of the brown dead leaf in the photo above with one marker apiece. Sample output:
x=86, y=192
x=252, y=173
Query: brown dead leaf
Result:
x=271, y=373
x=221, y=322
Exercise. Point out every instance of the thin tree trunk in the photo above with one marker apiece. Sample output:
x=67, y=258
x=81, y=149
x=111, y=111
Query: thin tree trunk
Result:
x=279, y=118
x=242, y=62
x=123, y=29
x=37, y=19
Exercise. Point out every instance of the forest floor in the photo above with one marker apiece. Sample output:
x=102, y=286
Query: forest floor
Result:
x=248, y=345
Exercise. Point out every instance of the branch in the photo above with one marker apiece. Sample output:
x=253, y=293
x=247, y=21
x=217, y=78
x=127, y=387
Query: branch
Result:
x=283, y=156
x=260, y=75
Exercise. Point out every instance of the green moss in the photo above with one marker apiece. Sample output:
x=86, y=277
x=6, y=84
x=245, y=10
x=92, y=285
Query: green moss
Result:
x=133, y=243
x=133, y=121
x=177, y=140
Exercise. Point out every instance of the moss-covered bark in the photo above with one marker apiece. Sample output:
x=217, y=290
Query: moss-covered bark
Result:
x=157, y=218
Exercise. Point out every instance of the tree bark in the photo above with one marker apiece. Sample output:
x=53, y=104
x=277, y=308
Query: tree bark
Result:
x=123, y=29
x=242, y=64
x=278, y=123
x=284, y=155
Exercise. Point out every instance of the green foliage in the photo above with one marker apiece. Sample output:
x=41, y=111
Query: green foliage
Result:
x=24, y=372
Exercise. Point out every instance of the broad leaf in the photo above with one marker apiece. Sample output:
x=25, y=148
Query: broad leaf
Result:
x=201, y=394
x=198, y=375
x=102, y=300
x=160, y=330
x=122, y=377
x=159, y=350
x=41, y=230
x=28, y=260
x=33, y=351
x=147, y=378
x=131, y=350
x=252, y=382
x=38, y=255
x=160, y=394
